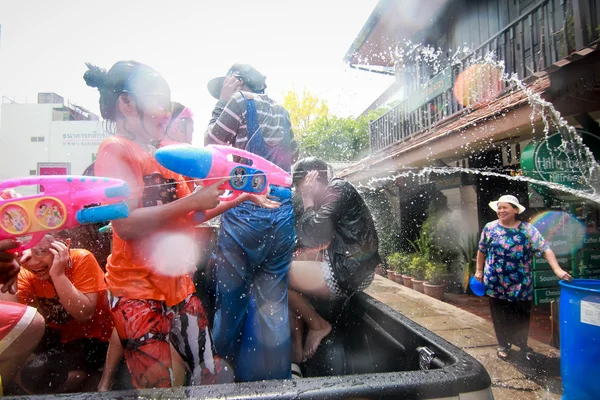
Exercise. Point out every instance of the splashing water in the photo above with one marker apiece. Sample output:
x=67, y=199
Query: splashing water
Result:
x=173, y=254
x=557, y=225
x=480, y=83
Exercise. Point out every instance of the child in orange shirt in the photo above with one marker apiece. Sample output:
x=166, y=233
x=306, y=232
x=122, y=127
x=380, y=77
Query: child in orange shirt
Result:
x=67, y=287
x=151, y=294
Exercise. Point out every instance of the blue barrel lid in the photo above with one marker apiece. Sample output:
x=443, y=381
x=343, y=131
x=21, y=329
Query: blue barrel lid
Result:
x=586, y=285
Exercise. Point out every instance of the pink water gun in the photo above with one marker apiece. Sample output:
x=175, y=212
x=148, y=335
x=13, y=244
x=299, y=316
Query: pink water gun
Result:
x=64, y=202
x=214, y=162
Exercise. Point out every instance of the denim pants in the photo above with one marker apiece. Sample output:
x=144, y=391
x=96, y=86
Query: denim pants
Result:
x=254, y=253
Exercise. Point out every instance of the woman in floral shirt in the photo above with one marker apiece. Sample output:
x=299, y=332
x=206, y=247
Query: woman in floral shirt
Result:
x=507, y=248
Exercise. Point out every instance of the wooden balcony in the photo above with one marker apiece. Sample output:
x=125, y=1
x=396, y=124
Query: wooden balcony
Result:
x=545, y=33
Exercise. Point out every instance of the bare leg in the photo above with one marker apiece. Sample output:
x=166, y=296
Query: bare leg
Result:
x=15, y=356
x=178, y=367
x=297, y=330
x=318, y=328
x=306, y=279
x=74, y=381
x=114, y=355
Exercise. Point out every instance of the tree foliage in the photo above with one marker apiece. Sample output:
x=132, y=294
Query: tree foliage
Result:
x=304, y=108
x=326, y=136
x=333, y=138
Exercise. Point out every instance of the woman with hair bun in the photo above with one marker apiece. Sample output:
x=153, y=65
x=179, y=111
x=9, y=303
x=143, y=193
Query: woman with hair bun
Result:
x=151, y=294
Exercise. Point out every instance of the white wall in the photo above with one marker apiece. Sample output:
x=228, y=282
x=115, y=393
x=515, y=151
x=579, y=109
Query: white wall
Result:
x=75, y=142
x=462, y=202
x=71, y=142
x=19, y=122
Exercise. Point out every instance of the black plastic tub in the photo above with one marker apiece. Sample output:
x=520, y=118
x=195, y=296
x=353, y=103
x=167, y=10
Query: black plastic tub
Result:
x=373, y=352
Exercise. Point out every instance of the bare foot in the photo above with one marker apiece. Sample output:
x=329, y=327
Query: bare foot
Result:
x=313, y=339
x=104, y=386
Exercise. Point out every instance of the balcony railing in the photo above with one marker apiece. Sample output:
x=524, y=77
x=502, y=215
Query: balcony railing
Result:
x=546, y=33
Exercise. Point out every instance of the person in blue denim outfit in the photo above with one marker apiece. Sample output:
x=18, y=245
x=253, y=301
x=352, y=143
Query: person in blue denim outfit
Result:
x=255, y=245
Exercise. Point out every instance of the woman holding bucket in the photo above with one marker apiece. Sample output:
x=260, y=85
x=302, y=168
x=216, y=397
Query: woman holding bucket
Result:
x=506, y=248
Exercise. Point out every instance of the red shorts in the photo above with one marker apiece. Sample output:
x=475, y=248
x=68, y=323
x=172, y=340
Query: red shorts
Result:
x=146, y=327
x=14, y=319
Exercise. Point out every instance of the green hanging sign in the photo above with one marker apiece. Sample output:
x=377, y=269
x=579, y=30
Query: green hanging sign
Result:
x=551, y=160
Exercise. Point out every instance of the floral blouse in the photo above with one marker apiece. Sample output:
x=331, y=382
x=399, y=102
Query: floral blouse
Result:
x=509, y=260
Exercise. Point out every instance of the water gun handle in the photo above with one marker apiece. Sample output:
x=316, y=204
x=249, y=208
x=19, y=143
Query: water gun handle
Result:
x=94, y=215
x=27, y=181
x=282, y=193
x=35, y=239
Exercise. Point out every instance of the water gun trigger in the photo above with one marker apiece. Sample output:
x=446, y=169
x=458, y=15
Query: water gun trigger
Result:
x=231, y=196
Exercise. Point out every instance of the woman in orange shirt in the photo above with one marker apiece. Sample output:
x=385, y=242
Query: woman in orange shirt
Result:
x=150, y=291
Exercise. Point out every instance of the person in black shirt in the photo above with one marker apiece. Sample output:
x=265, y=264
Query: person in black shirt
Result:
x=335, y=219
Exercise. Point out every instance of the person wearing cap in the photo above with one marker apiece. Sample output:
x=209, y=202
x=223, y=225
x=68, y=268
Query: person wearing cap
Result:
x=506, y=249
x=255, y=245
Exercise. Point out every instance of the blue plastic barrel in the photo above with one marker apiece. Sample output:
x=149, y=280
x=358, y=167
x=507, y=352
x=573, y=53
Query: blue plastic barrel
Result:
x=580, y=339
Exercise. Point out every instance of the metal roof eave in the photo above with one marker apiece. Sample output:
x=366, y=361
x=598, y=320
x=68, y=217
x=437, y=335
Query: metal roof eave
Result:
x=366, y=30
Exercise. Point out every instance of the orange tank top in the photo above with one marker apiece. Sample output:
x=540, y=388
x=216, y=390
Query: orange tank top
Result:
x=132, y=269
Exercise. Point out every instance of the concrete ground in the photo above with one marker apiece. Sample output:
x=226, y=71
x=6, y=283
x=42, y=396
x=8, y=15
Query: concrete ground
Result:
x=512, y=380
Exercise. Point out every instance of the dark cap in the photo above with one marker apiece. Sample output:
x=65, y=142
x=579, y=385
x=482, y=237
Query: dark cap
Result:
x=251, y=77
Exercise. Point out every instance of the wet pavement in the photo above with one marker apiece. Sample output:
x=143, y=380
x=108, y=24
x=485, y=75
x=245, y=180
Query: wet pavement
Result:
x=516, y=378
x=540, y=327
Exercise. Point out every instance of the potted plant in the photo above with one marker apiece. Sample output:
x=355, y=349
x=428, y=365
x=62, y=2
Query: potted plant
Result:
x=401, y=263
x=434, y=275
x=407, y=270
x=418, y=266
x=390, y=272
x=394, y=262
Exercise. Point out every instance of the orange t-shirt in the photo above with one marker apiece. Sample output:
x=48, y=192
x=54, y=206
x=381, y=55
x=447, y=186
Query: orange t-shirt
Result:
x=130, y=271
x=87, y=277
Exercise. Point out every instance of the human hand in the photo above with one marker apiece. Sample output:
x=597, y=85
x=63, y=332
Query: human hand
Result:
x=9, y=267
x=308, y=186
x=207, y=197
x=479, y=275
x=262, y=200
x=231, y=84
x=563, y=275
x=61, y=258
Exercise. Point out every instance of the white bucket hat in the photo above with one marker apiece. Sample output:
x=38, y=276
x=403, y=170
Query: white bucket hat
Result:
x=507, y=199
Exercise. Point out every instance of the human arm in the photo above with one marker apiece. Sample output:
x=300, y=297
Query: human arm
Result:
x=227, y=115
x=9, y=268
x=480, y=264
x=114, y=355
x=558, y=271
x=542, y=249
x=113, y=162
x=315, y=226
x=147, y=219
x=259, y=200
x=481, y=254
x=81, y=306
